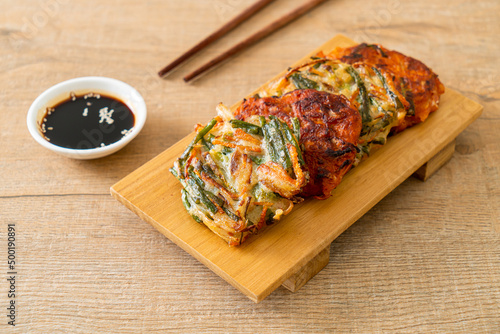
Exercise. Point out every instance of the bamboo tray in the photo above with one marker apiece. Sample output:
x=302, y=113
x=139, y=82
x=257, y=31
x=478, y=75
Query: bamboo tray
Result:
x=293, y=250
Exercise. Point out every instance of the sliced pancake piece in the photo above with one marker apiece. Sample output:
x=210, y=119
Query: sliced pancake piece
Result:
x=235, y=179
x=413, y=79
x=369, y=90
x=328, y=133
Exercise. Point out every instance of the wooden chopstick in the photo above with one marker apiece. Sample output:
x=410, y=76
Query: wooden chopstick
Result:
x=247, y=13
x=276, y=25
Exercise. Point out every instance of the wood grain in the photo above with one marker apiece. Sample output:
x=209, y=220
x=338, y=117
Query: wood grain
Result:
x=425, y=259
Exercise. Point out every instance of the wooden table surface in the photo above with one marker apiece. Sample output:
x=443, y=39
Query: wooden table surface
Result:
x=425, y=259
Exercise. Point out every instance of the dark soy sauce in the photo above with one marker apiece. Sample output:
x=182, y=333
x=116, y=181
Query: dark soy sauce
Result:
x=87, y=121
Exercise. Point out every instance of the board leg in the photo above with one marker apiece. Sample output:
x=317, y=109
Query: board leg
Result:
x=301, y=277
x=436, y=162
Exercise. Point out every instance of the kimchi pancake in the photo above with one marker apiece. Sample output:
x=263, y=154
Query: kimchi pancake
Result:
x=329, y=131
x=413, y=79
x=369, y=90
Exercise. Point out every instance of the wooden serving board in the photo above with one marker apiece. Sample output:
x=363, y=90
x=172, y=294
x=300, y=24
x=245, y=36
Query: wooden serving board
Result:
x=293, y=250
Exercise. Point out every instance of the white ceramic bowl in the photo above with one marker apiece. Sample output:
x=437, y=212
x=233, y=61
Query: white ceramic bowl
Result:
x=102, y=85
